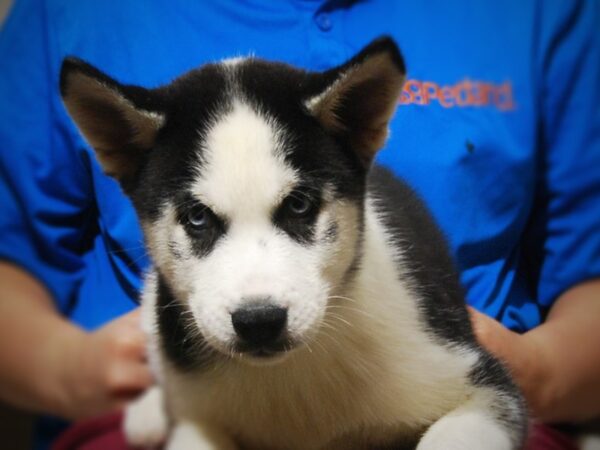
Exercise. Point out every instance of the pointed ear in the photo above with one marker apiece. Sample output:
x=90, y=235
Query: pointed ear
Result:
x=360, y=97
x=118, y=121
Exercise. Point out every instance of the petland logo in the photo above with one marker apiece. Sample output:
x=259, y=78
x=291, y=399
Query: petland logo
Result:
x=465, y=93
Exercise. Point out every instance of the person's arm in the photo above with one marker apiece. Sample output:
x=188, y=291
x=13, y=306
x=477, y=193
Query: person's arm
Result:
x=49, y=365
x=557, y=365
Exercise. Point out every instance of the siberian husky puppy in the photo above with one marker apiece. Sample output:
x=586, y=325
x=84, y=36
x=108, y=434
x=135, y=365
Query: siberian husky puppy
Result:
x=300, y=298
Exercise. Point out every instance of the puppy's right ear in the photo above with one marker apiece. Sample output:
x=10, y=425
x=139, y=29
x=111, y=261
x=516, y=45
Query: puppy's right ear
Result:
x=359, y=97
x=120, y=122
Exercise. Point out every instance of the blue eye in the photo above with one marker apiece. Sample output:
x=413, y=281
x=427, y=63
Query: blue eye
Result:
x=298, y=205
x=198, y=217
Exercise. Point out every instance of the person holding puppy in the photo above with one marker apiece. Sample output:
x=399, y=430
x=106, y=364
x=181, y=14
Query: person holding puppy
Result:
x=511, y=180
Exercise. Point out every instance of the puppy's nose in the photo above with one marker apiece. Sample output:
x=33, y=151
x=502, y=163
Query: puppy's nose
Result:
x=259, y=325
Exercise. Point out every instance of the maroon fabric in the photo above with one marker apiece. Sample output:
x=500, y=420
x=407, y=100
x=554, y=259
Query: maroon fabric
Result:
x=105, y=433
x=543, y=437
x=102, y=433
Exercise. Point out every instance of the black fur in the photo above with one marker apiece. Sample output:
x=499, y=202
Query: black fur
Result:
x=489, y=372
x=331, y=234
x=190, y=103
x=383, y=44
x=280, y=91
x=139, y=96
x=325, y=158
x=204, y=240
x=187, y=350
x=301, y=229
x=425, y=257
x=93, y=99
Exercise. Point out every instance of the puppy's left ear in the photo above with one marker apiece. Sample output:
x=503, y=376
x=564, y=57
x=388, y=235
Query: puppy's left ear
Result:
x=359, y=98
x=120, y=122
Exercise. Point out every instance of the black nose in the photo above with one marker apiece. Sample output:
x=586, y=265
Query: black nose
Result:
x=259, y=325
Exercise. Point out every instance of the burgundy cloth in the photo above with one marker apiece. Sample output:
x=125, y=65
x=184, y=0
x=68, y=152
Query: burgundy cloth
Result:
x=102, y=433
x=543, y=437
x=105, y=433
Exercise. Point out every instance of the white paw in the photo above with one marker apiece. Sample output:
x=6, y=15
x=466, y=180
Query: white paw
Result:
x=186, y=436
x=146, y=423
x=465, y=431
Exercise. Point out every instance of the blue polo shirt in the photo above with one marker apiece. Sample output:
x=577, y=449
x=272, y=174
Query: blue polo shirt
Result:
x=498, y=129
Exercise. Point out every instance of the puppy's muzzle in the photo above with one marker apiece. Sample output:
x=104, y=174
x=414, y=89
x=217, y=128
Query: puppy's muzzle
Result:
x=260, y=328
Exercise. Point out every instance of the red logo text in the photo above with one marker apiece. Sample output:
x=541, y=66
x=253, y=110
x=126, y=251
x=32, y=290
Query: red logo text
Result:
x=463, y=94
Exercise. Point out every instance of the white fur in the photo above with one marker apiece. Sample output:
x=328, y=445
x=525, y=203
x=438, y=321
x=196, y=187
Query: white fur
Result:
x=146, y=422
x=590, y=442
x=314, y=102
x=368, y=370
x=468, y=427
x=233, y=61
x=375, y=329
x=244, y=173
x=187, y=436
x=242, y=179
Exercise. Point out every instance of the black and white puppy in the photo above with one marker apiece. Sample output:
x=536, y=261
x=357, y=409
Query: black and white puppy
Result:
x=300, y=298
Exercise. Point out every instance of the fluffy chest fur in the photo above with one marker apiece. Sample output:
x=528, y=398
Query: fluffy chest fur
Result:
x=301, y=298
x=372, y=375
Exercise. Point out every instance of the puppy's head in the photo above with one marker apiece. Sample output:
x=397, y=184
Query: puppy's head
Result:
x=248, y=178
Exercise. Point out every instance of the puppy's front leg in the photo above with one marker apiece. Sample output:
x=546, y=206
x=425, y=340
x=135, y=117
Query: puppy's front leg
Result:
x=146, y=422
x=187, y=436
x=478, y=424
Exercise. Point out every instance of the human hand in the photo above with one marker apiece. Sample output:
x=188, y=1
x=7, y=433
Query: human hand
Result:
x=106, y=368
x=520, y=352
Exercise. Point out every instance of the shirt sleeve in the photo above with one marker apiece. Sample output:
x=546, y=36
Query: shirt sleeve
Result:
x=45, y=218
x=564, y=239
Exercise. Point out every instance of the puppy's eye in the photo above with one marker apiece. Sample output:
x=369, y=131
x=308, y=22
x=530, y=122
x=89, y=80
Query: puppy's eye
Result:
x=298, y=205
x=198, y=217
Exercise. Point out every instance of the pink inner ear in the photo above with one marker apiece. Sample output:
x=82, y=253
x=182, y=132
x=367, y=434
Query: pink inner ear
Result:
x=113, y=126
x=361, y=102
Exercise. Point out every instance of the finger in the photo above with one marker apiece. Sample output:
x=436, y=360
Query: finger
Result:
x=482, y=322
x=129, y=343
x=472, y=310
x=133, y=316
x=496, y=338
x=477, y=320
x=476, y=314
x=108, y=406
x=131, y=319
x=137, y=339
x=127, y=374
x=120, y=402
x=489, y=332
x=138, y=376
x=144, y=375
x=123, y=397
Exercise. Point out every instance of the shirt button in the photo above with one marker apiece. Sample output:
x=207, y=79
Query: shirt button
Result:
x=324, y=21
